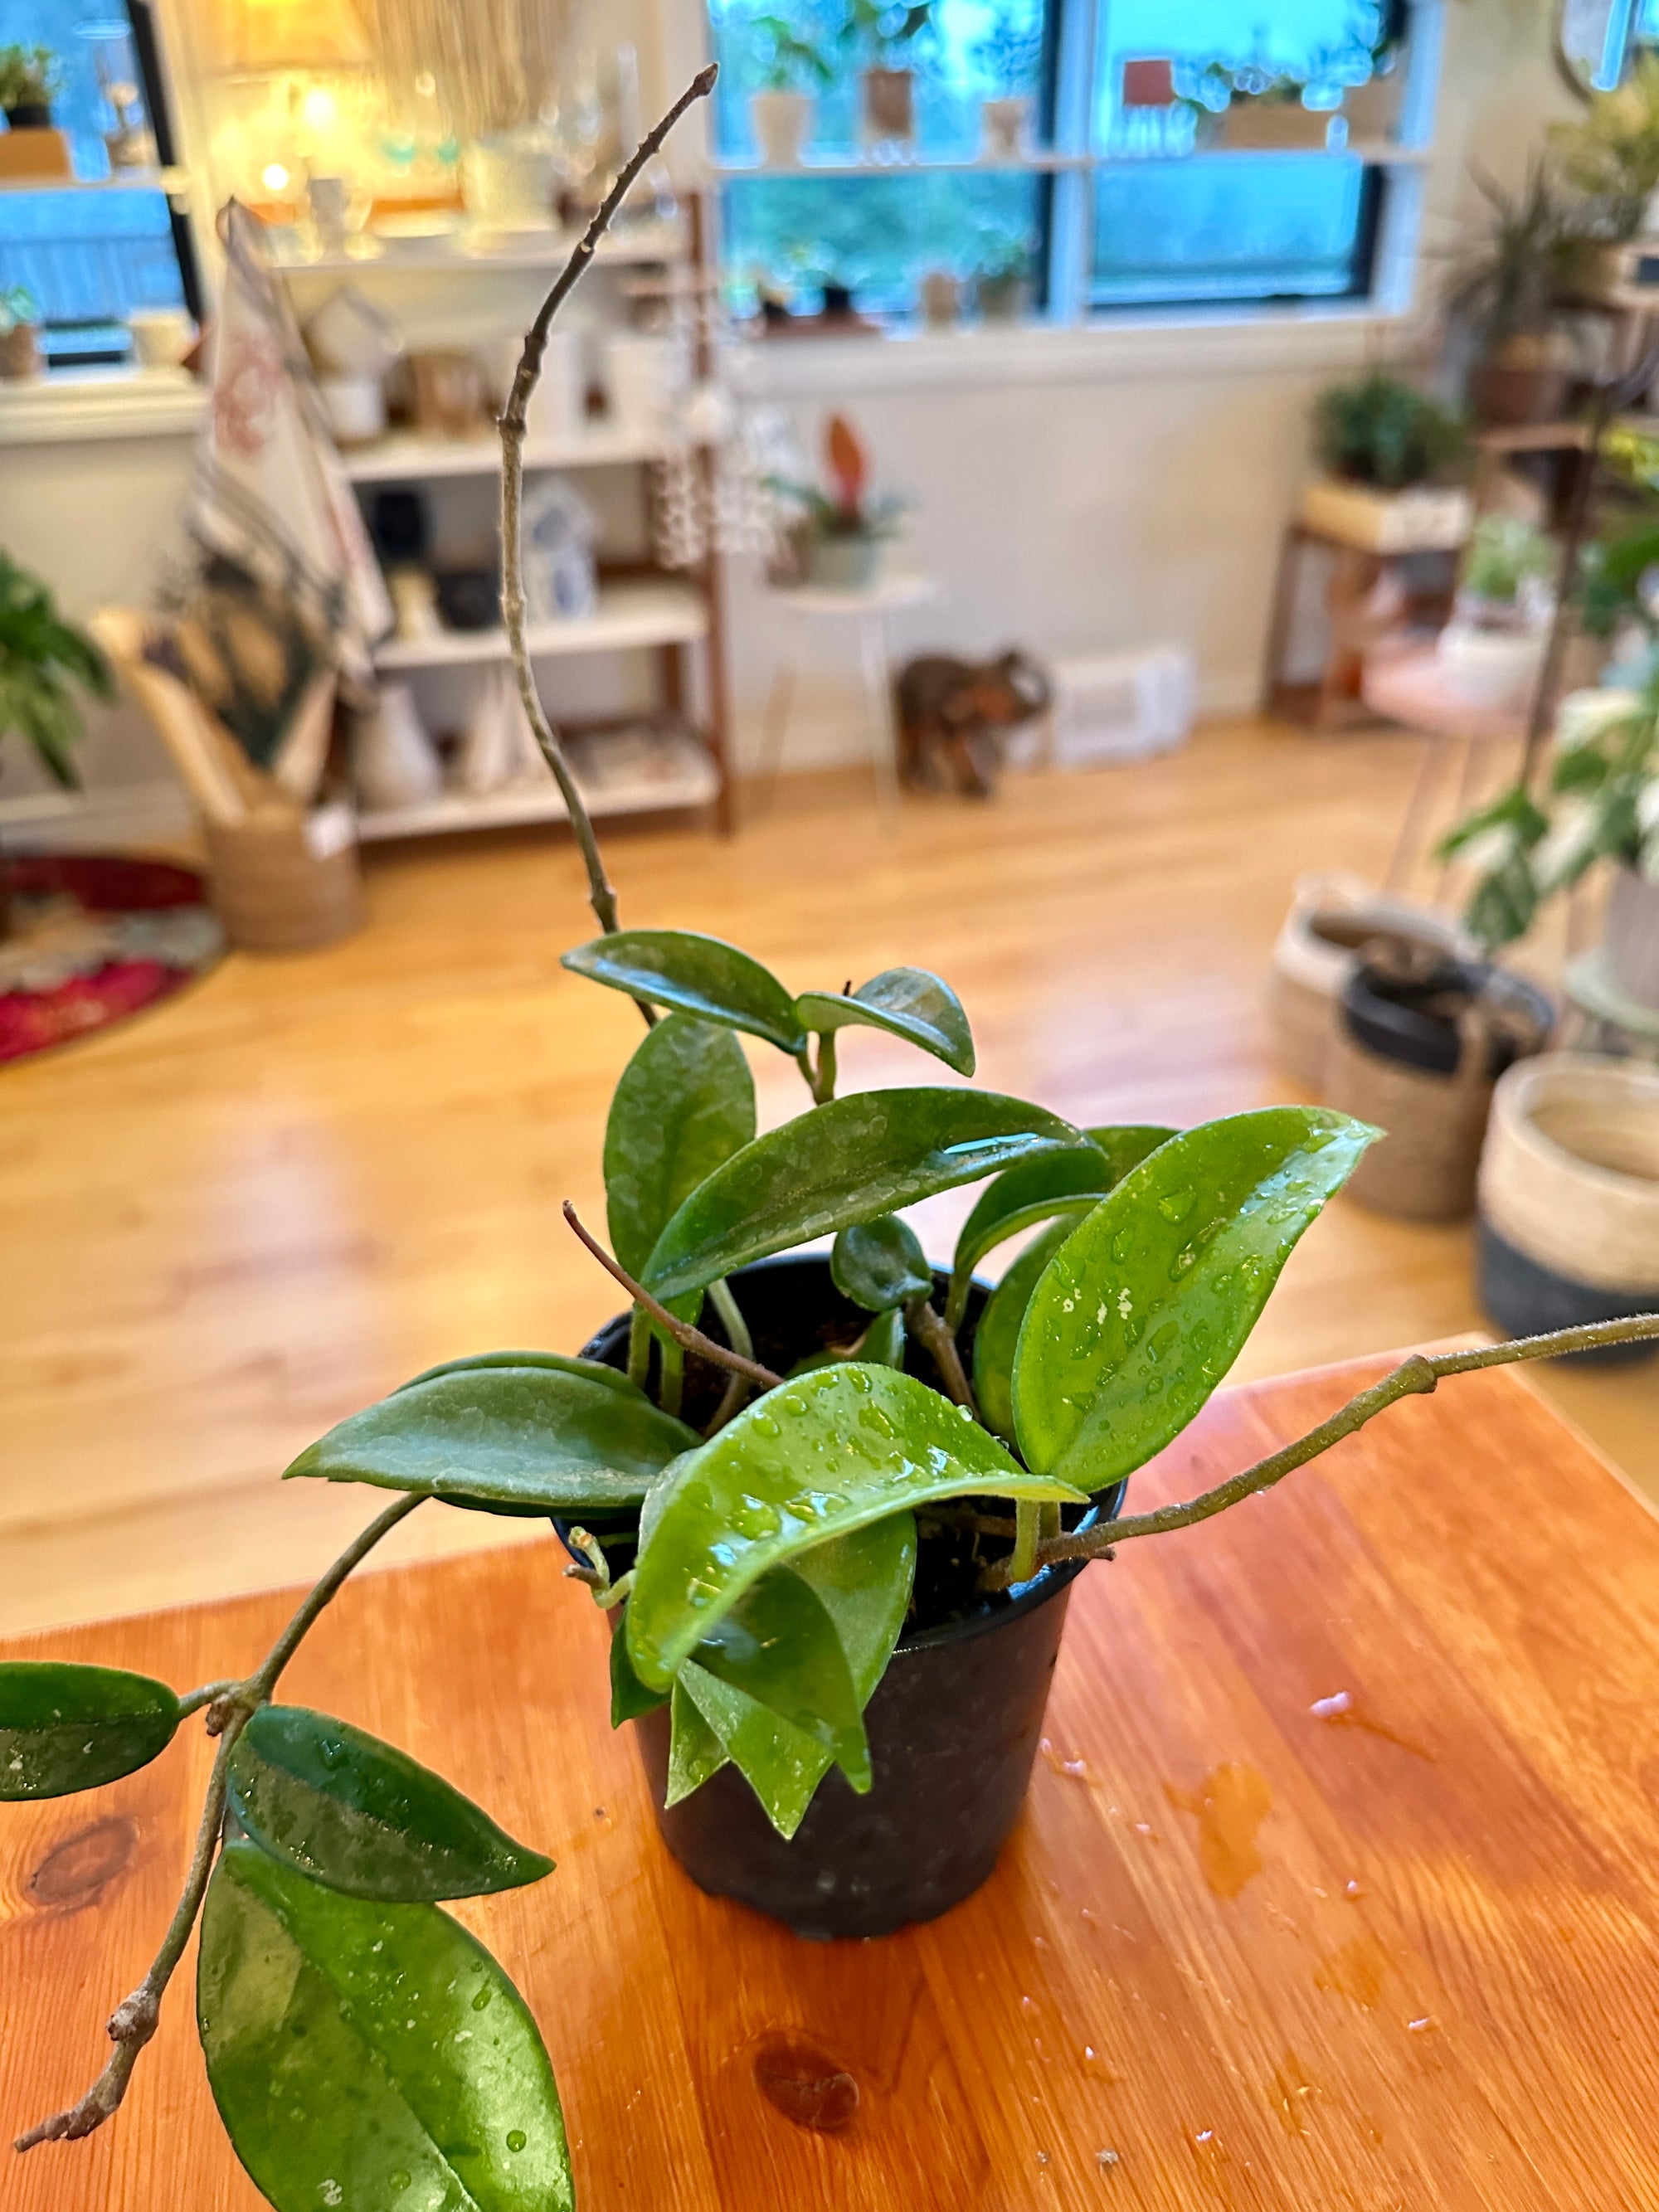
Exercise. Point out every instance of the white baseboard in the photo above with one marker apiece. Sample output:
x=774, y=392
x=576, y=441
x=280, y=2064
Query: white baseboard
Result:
x=80, y=821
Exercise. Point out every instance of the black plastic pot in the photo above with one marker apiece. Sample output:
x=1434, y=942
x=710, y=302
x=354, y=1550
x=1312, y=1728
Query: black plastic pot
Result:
x=954, y=1724
x=30, y=115
x=1413, y=1015
x=1525, y=1298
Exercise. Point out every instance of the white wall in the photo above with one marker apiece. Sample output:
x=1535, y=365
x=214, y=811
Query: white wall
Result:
x=1070, y=497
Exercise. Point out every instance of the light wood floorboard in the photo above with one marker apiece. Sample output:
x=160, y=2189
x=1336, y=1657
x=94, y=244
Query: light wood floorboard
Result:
x=238, y=1219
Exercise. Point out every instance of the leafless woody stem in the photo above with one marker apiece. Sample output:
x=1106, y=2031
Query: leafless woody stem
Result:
x=683, y=1333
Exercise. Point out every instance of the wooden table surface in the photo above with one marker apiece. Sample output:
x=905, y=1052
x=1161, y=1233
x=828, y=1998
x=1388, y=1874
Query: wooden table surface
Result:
x=1337, y=1885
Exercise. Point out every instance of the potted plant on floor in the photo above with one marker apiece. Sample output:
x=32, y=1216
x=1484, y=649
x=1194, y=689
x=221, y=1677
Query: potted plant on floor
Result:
x=1504, y=290
x=1491, y=650
x=882, y=33
x=842, y=533
x=1388, y=452
x=43, y=663
x=792, y=70
x=833, y=1532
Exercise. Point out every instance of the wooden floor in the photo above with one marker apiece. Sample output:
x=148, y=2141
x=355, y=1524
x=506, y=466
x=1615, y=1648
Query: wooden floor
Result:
x=239, y=1218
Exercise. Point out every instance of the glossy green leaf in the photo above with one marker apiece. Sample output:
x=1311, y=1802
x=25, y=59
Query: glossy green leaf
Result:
x=370, y=2057
x=907, y=1002
x=64, y=1728
x=880, y=1264
x=699, y=976
x=685, y=1102
x=778, y=1645
x=997, y=1337
x=848, y=1161
x=1145, y=1307
x=559, y=1439
x=695, y=1753
x=1069, y=1183
x=882, y=1345
x=630, y=1698
x=560, y=1363
x=1124, y=1145
x=864, y=1580
x=820, y=1456
x=357, y=1816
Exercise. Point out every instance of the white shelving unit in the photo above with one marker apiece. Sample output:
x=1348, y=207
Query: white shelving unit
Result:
x=404, y=455
x=694, y=781
x=465, y=248
x=630, y=615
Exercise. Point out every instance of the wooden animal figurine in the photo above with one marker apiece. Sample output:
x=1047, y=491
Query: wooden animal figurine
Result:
x=952, y=715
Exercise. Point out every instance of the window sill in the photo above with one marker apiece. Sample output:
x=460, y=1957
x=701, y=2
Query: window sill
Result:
x=1254, y=342
x=102, y=403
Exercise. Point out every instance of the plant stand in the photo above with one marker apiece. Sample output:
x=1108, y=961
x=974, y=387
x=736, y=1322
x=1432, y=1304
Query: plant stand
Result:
x=867, y=612
x=1407, y=688
x=1333, y=700
x=1268, y=1877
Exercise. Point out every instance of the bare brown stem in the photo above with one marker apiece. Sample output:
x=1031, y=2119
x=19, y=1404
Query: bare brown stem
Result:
x=690, y=1339
x=230, y=1705
x=602, y=897
x=1412, y=1377
x=925, y=1326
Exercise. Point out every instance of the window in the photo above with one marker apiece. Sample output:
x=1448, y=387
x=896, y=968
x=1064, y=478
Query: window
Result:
x=95, y=251
x=1174, y=152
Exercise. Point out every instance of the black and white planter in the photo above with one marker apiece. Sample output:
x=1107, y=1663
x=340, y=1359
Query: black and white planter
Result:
x=954, y=1724
x=1568, y=1197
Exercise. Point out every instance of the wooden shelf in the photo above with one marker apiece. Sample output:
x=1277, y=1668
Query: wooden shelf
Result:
x=630, y=613
x=407, y=455
x=467, y=249
x=696, y=782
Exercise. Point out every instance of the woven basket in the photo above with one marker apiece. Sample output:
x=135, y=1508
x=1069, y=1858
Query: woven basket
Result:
x=1331, y=917
x=284, y=881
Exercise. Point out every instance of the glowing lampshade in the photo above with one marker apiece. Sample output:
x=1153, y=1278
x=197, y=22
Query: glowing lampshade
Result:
x=263, y=38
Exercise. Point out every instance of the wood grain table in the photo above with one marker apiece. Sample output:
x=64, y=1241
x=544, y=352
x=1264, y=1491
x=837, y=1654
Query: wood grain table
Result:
x=1337, y=1885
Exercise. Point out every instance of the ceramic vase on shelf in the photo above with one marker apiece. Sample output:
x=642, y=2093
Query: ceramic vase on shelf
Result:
x=393, y=763
x=639, y=379
x=1491, y=668
x=510, y=180
x=887, y=104
x=1005, y=127
x=782, y=123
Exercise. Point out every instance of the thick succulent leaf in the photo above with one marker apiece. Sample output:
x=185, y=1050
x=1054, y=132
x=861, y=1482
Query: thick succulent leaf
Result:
x=820, y=1456
x=864, y=1579
x=685, y=1102
x=357, y=1816
x=370, y=2056
x=1145, y=1307
x=64, y=1728
x=778, y=1645
x=555, y=1439
x=629, y=1697
x=1124, y=1145
x=879, y=1265
x=561, y=1362
x=699, y=976
x=1070, y=1183
x=848, y=1161
x=695, y=1752
x=997, y=1338
x=909, y=1002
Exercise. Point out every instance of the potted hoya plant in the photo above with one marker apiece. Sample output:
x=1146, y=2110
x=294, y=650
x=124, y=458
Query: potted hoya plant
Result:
x=884, y=31
x=44, y=662
x=780, y=113
x=1388, y=453
x=1491, y=650
x=831, y=1505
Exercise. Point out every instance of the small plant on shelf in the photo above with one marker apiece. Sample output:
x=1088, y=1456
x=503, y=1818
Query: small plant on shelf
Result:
x=1505, y=578
x=1382, y=431
x=792, y=69
x=29, y=82
x=807, y=1493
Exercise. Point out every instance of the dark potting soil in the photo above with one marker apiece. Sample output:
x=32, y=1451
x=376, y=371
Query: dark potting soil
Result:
x=794, y=1310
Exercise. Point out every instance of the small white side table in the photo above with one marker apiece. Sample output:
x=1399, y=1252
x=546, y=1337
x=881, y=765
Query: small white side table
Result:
x=868, y=612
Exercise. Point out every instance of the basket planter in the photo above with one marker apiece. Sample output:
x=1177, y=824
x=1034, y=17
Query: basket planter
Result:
x=284, y=881
x=888, y=106
x=1631, y=937
x=1568, y=1197
x=954, y=1724
x=1330, y=919
x=782, y=124
x=1418, y=1054
x=1420, y=519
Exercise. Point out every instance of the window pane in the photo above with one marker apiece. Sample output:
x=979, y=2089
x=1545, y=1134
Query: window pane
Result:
x=969, y=51
x=1230, y=227
x=89, y=259
x=878, y=234
x=1323, y=44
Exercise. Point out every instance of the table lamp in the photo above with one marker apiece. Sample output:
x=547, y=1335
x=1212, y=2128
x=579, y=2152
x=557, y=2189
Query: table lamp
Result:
x=293, y=41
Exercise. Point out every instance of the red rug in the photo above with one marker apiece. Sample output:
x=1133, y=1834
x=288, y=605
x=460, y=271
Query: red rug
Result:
x=94, y=938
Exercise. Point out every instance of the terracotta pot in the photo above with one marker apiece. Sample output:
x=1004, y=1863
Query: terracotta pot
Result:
x=889, y=104
x=954, y=1724
x=782, y=123
x=20, y=359
x=1511, y=396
